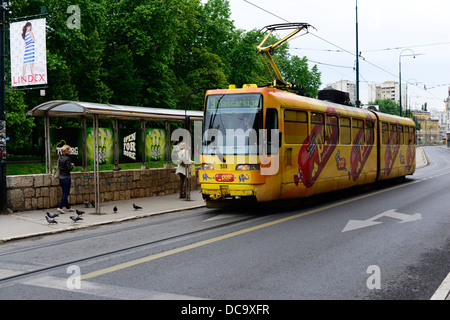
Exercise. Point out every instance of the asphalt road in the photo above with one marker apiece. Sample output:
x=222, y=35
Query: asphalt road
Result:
x=391, y=242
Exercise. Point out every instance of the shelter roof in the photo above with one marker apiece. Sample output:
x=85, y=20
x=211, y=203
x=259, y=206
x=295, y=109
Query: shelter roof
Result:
x=78, y=109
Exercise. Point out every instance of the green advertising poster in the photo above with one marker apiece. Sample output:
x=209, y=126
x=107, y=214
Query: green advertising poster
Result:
x=106, y=146
x=155, y=144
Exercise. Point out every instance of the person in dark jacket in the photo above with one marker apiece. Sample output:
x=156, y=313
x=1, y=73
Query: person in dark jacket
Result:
x=65, y=166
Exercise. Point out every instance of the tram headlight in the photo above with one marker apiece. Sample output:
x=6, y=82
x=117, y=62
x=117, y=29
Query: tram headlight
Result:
x=207, y=166
x=247, y=167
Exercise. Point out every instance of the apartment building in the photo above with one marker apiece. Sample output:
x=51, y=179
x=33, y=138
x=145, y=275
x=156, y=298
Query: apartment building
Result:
x=387, y=90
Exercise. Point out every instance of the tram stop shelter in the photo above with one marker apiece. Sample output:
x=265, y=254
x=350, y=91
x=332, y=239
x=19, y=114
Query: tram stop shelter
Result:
x=95, y=112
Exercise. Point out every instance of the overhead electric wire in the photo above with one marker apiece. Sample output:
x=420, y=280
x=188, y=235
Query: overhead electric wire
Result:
x=271, y=13
x=415, y=46
x=352, y=53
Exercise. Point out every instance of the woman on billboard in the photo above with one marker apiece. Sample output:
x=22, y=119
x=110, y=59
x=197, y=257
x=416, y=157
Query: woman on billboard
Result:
x=28, y=58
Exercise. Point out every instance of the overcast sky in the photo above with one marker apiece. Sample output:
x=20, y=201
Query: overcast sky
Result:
x=386, y=29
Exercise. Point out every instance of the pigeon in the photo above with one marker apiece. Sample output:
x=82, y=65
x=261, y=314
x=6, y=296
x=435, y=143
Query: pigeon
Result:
x=136, y=207
x=86, y=203
x=75, y=219
x=115, y=209
x=79, y=212
x=52, y=215
x=50, y=220
x=93, y=203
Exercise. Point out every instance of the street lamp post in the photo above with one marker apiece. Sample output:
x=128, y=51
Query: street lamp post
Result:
x=2, y=109
x=407, y=83
x=358, y=104
x=400, y=74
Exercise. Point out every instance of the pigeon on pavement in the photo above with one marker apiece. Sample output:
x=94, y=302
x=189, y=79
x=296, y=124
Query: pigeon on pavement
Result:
x=50, y=220
x=52, y=215
x=75, y=219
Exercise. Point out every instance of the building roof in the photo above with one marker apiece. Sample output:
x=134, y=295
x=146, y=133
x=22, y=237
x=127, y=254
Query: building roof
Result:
x=78, y=109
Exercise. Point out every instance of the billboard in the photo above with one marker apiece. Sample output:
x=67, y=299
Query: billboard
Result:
x=105, y=145
x=155, y=140
x=28, y=53
x=70, y=136
x=130, y=144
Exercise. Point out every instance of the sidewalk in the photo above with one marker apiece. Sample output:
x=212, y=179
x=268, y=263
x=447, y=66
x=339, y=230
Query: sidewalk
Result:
x=421, y=159
x=25, y=224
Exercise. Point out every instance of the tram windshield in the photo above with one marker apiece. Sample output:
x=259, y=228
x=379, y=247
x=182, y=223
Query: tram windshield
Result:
x=232, y=123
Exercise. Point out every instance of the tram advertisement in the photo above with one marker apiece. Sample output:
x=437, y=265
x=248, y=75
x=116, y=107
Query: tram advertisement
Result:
x=362, y=146
x=313, y=156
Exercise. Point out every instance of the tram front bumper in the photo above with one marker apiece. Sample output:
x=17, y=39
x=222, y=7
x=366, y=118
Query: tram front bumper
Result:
x=221, y=191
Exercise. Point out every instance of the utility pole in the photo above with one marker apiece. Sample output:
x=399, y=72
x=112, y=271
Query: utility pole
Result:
x=2, y=110
x=358, y=105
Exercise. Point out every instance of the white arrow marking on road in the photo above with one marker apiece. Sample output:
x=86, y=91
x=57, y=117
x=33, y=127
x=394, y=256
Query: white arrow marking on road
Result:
x=358, y=224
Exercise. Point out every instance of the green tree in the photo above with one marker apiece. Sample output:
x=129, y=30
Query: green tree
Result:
x=246, y=63
x=207, y=72
x=388, y=106
x=18, y=126
x=296, y=71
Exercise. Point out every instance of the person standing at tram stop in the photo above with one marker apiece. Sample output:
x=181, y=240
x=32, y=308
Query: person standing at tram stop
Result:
x=65, y=166
x=183, y=160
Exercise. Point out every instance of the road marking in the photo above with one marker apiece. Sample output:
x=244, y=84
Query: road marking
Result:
x=231, y=235
x=105, y=290
x=443, y=291
x=358, y=224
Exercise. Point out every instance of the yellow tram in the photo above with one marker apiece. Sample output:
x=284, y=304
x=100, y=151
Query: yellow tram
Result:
x=270, y=144
x=319, y=146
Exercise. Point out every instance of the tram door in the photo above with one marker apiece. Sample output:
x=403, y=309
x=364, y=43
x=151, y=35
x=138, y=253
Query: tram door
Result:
x=295, y=135
x=270, y=157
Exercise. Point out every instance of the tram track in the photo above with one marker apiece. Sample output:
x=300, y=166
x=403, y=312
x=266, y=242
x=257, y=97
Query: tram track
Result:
x=100, y=234
x=12, y=278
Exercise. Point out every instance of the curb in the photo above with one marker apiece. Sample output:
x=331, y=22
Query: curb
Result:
x=81, y=226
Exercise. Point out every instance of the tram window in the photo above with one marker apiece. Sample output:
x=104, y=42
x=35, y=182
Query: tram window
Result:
x=295, y=126
x=412, y=133
x=394, y=134
x=370, y=136
x=332, y=127
x=401, y=135
x=317, y=119
x=345, y=131
x=385, y=132
x=407, y=136
x=357, y=126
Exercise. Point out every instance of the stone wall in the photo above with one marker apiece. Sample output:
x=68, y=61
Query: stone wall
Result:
x=41, y=191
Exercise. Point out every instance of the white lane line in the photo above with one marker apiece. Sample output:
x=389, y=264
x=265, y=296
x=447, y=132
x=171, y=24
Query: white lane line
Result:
x=105, y=290
x=443, y=291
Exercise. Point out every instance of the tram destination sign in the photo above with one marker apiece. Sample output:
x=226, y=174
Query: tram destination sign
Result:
x=225, y=101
